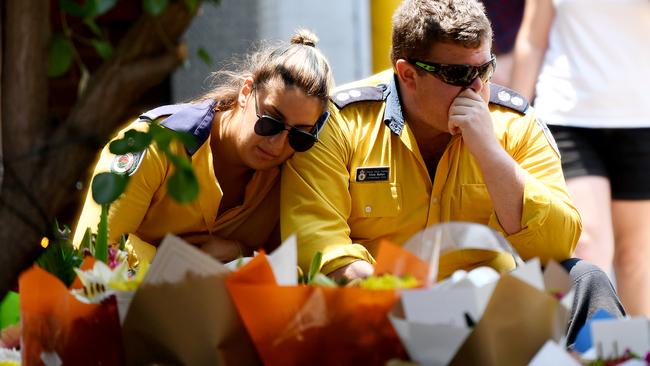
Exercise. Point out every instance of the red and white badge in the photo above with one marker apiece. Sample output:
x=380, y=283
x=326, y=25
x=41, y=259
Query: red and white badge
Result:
x=127, y=163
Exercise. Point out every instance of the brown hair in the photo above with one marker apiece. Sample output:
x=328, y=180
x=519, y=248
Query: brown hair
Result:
x=297, y=63
x=419, y=24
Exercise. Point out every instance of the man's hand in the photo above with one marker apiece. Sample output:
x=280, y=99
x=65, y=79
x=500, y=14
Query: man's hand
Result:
x=469, y=116
x=223, y=250
x=354, y=270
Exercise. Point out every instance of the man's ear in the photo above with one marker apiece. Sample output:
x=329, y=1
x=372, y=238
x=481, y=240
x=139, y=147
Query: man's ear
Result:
x=245, y=92
x=406, y=74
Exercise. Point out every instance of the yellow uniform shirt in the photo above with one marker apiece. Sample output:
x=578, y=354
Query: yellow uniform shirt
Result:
x=146, y=213
x=365, y=180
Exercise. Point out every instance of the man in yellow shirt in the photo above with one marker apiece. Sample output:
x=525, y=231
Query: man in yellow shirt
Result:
x=431, y=140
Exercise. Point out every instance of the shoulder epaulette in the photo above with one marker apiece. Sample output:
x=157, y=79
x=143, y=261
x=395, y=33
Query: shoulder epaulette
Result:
x=163, y=111
x=508, y=98
x=194, y=119
x=346, y=97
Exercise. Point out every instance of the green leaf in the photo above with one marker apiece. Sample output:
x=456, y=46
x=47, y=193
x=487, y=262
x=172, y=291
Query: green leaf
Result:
x=101, y=246
x=86, y=241
x=102, y=6
x=60, y=257
x=133, y=141
x=192, y=5
x=60, y=55
x=314, y=266
x=204, y=56
x=107, y=187
x=90, y=23
x=103, y=48
x=162, y=136
x=322, y=280
x=187, y=139
x=75, y=9
x=183, y=187
x=154, y=7
x=122, y=243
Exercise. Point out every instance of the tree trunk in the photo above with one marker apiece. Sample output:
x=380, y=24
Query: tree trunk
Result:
x=142, y=60
x=1, y=33
x=24, y=115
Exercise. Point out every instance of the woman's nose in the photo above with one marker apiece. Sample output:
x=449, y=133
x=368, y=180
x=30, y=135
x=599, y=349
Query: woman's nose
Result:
x=279, y=141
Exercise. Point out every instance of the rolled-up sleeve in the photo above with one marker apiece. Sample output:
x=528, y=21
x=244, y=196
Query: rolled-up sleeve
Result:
x=551, y=224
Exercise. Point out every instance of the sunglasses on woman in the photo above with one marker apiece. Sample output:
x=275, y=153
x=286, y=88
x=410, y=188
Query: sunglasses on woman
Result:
x=299, y=140
x=456, y=74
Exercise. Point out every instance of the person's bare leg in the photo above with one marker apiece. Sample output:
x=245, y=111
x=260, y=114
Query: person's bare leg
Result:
x=591, y=195
x=632, y=236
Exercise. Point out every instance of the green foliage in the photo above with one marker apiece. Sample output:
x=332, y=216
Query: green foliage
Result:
x=314, y=266
x=154, y=7
x=101, y=245
x=103, y=48
x=133, y=141
x=60, y=55
x=89, y=9
x=107, y=187
x=60, y=258
x=204, y=56
x=192, y=5
x=182, y=186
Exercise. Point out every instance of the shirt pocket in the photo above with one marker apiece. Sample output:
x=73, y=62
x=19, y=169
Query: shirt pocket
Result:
x=382, y=199
x=475, y=203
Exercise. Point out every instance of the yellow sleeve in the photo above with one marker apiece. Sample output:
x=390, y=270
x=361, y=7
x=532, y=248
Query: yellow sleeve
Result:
x=126, y=213
x=550, y=223
x=315, y=200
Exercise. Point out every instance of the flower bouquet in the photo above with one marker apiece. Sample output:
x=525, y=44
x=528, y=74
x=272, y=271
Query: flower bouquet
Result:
x=320, y=322
x=477, y=315
x=68, y=303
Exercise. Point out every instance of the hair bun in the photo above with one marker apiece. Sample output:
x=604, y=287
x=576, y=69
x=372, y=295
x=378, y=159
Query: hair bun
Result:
x=303, y=36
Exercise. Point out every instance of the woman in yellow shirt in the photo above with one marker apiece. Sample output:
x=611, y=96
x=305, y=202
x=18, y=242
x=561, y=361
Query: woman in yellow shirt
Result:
x=246, y=126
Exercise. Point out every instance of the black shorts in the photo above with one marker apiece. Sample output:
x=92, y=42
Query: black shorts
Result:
x=620, y=154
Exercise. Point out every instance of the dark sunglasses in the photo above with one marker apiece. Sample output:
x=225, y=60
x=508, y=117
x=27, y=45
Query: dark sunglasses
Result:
x=459, y=75
x=299, y=140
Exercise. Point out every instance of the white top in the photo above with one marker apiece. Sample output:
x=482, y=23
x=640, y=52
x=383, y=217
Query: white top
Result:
x=596, y=71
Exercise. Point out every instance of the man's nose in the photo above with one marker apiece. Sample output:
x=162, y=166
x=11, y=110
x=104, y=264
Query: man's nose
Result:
x=477, y=84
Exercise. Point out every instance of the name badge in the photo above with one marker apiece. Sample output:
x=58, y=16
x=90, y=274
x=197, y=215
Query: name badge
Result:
x=377, y=174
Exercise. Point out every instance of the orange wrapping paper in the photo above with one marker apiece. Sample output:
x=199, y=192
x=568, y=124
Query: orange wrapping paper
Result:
x=300, y=325
x=54, y=320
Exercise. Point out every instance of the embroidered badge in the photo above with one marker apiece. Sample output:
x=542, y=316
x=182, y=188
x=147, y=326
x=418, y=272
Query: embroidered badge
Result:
x=374, y=174
x=127, y=163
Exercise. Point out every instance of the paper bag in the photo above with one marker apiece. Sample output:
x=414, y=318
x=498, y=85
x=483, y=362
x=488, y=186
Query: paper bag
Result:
x=182, y=314
x=517, y=322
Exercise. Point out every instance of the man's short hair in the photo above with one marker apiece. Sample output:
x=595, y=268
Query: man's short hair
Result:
x=419, y=24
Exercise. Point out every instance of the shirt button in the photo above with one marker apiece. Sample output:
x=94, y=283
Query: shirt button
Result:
x=435, y=200
x=368, y=209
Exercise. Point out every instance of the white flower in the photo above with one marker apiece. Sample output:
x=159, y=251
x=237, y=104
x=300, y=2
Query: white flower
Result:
x=97, y=282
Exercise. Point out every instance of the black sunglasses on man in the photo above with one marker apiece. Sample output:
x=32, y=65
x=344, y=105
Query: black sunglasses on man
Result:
x=458, y=74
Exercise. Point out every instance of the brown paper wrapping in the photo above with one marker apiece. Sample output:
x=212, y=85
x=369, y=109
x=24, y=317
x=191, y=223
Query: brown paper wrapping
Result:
x=192, y=322
x=517, y=321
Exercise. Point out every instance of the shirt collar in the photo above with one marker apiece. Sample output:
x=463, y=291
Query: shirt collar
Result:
x=393, y=117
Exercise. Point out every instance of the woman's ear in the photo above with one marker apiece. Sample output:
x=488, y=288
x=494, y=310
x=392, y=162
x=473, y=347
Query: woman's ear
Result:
x=245, y=92
x=406, y=74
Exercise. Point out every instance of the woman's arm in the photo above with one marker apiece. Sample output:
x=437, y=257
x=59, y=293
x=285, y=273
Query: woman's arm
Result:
x=530, y=46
